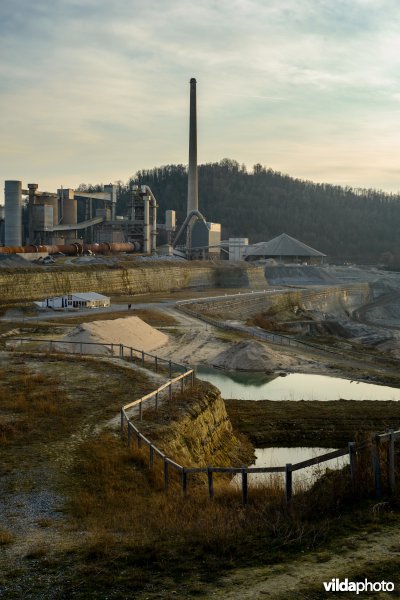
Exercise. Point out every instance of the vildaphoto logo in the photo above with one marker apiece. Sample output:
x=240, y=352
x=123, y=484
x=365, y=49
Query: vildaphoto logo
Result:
x=337, y=585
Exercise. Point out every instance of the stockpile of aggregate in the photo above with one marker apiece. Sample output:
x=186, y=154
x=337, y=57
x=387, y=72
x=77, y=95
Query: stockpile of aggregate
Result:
x=129, y=331
x=251, y=356
x=14, y=261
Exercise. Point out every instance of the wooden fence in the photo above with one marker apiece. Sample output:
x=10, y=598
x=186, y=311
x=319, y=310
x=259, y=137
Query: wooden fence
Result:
x=353, y=451
x=119, y=350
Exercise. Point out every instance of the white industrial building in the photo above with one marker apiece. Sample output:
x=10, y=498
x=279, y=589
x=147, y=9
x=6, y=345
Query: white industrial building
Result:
x=71, y=301
x=237, y=248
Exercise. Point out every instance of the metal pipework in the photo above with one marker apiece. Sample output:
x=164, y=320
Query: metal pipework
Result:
x=74, y=249
x=192, y=216
x=153, y=220
x=146, y=225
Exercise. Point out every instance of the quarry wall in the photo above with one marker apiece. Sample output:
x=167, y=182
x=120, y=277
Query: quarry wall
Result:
x=201, y=433
x=329, y=299
x=24, y=285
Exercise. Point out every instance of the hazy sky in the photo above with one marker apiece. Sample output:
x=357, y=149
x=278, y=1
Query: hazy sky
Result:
x=93, y=90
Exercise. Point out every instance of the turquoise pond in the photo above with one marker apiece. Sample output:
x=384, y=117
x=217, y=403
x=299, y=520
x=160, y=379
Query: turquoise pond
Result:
x=294, y=386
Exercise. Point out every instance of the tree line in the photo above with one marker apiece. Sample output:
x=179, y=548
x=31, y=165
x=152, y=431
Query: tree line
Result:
x=345, y=223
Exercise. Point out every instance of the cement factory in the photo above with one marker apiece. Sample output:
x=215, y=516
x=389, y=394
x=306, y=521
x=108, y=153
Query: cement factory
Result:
x=72, y=222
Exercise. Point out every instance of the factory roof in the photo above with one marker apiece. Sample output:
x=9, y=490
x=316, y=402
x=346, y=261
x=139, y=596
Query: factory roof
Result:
x=89, y=296
x=282, y=245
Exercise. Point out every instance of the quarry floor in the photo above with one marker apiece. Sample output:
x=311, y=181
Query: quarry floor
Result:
x=374, y=552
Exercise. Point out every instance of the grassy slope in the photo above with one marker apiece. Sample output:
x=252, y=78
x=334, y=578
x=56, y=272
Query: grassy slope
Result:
x=118, y=534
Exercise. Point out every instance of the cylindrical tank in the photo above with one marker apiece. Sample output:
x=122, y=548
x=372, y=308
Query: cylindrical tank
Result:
x=13, y=213
x=51, y=200
x=69, y=207
x=70, y=212
x=146, y=225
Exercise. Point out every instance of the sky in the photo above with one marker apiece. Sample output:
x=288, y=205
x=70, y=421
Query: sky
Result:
x=93, y=90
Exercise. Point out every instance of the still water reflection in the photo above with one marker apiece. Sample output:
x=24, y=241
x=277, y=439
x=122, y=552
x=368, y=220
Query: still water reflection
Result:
x=279, y=457
x=295, y=386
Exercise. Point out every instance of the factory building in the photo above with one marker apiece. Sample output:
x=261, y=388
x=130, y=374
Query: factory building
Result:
x=205, y=240
x=237, y=248
x=284, y=249
x=66, y=219
x=75, y=301
x=52, y=219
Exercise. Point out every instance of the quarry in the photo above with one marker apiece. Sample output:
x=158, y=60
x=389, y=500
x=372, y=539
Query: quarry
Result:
x=60, y=433
x=137, y=428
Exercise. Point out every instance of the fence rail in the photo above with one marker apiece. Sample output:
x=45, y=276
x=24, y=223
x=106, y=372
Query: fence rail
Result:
x=187, y=377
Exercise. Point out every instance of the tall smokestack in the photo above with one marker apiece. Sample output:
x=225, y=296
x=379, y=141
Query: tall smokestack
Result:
x=192, y=198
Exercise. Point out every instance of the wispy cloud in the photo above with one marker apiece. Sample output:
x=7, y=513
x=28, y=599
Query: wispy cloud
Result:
x=96, y=90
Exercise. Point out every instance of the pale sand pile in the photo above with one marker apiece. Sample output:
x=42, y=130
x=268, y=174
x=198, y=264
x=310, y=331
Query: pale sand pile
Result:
x=130, y=331
x=252, y=356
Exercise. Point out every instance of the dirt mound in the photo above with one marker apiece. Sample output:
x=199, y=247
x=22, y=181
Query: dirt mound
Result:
x=130, y=331
x=14, y=261
x=251, y=356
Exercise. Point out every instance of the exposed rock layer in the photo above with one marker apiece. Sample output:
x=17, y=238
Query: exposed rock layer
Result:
x=20, y=285
x=200, y=433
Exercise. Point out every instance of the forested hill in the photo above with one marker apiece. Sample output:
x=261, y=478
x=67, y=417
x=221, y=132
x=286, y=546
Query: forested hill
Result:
x=344, y=223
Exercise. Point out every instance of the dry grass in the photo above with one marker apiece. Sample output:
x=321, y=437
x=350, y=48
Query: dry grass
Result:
x=128, y=520
x=155, y=318
x=6, y=537
x=311, y=423
x=45, y=402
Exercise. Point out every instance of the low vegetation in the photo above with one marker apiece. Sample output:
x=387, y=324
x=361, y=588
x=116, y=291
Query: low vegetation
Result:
x=112, y=532
x=311, y=423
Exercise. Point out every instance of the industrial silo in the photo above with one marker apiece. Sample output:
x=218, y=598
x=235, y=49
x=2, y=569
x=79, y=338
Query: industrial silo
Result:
x=69, y=207
x=13, y=213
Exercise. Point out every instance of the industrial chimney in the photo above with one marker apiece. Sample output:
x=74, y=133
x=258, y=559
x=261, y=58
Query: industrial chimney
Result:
x=192, y=198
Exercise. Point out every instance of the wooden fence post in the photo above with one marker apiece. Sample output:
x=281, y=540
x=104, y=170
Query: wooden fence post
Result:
x=151, y=457
x=353, y=464
x=156, y=363
x=376, y=466
x=170, y=369
x=142, y=358
x=122, y=422
x=210, y=482
x=244, y=486
x=121, y=350
x=138, y=440
x=170, y=391
x=129, y=434
x=391, y=462
x=131, y=358
x=288, y=482
x=165, y=475
x=184, y=481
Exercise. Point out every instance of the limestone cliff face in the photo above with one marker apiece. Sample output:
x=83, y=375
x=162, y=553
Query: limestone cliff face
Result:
x=330, y=299
x=200, y=432
x=20, y=285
